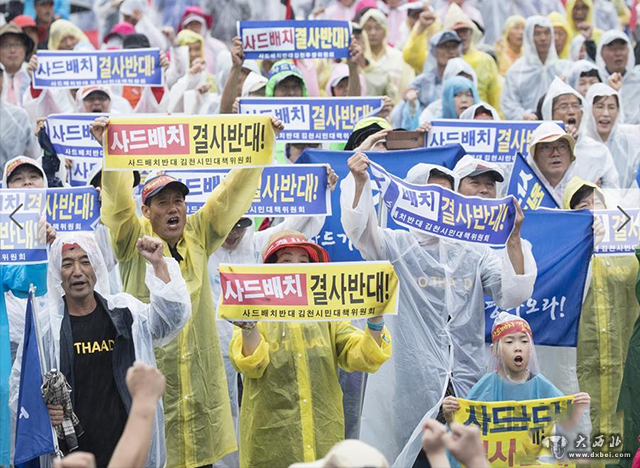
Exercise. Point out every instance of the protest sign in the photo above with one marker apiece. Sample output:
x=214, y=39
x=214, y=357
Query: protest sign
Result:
x=299, y=190
x=314, y=119
x=527, y=187
x=513, y=432
x=22, y=227
x=307, y=292
x=75, y=69
x=295, y=39
x=70, y=136
x=562, y=244
x=332, y=236
x=621, y=233
x=493, y=141
x=73, y=209
x=188, y=142
x=435, y=210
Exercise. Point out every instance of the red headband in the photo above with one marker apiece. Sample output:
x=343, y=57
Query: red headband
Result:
x=509, y=328
x=68, y=246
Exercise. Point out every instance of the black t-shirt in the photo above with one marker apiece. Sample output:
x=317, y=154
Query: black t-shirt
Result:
x=98, y=404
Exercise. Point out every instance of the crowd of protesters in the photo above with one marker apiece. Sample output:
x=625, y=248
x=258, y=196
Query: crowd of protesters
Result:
x=140, y=293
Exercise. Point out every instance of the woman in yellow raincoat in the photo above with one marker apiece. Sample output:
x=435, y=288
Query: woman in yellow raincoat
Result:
x=606, y=323
x=292, y=402
x=509, y=48
x=581, y=11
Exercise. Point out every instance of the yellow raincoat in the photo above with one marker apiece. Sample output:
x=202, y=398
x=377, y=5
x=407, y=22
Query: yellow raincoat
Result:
x=606, y=324
x=292, y=402
x=506, y=55
x=62, y=28
x=596, y=33
x=199, y=428
x=559, y=21
x=186, y=37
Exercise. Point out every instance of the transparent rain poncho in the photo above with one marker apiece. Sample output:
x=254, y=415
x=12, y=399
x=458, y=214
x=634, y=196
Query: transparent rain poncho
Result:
x=154, y=324
x=439, y=329
x=623, y=141
x=630, y=90
x=528, y=78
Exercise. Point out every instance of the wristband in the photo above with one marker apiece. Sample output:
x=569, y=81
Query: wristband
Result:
x=375, y=326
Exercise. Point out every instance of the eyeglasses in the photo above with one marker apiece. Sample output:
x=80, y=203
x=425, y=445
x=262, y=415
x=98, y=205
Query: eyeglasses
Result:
x=576, y=106
x=12, y=44
x=547, y=149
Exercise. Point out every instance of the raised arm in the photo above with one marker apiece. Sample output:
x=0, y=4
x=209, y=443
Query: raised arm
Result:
x=118, y=210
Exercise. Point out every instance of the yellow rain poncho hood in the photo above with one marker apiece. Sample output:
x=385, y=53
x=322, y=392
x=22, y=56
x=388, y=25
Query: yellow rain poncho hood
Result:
x=186, y=37
x=559, y=21
x=595, y=33
x=608, y=312
x=62, y=28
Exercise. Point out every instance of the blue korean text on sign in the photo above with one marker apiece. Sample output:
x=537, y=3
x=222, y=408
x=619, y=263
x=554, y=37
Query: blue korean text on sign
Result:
x=332, y=236
x=493, y=141
x=295, y=39
x=553, y=311
x=294, y=190
x=441, y=212
x=73, y=209
x=70, y=136
x=314, y=119
x=620, y=237
x=62, y=69
x=528, y=189
x=22, y=215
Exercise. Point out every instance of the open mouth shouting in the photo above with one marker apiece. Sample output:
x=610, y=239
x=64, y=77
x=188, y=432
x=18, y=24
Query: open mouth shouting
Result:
x=571, y=121
x=173, y=222
x=519, y=360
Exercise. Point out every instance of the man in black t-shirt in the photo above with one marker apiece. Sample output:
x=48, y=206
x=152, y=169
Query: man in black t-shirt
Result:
x=99, y=341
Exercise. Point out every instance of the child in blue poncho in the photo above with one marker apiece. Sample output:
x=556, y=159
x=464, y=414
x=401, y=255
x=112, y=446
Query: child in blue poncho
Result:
x=514, y=373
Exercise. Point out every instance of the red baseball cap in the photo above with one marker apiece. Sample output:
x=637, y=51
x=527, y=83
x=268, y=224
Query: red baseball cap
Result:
x=24, y=21
x=156, y=184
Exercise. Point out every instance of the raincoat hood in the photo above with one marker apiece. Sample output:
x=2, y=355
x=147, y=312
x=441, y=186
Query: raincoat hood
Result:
x=608, y=38
x=572, y=188
x=340, y=72
x=365, y=128
x=571, y=4
x=193, y=13
x=186, y=37
x=589, y=126
x=380, y=18
x=507, y=324
x=420, y=173
x=559, y=21
x=580, y=67
x=253, y=82
x=576, y=45
x=62, y=28
x=470, y=113
x=456, y=18
x=558, y=88
x=509, y=24
x=453, y=86
x=530, y=52
x=457, y=65
x=18, y=161
x=281, y=70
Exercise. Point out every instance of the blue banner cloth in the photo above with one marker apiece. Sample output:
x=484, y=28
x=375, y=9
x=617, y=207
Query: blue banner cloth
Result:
x=69, y=69
x=314, y=119
x=295, y=39
x=562, y=246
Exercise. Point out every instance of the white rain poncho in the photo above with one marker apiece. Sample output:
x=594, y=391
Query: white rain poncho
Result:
x=592, y=172
x=623, y=145
x=439, y=328
x=16, y=134
x=630, y=91
x=154, y=324
x=579, y=67
x=455, y=67
x=605, y=15
x=469, y=114
x=528, y=78
x=248, y=251
x=593, y=159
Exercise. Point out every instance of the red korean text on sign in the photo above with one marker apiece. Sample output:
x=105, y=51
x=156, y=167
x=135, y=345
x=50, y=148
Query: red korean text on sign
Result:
x=148, y=139
x=264, y=289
